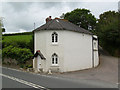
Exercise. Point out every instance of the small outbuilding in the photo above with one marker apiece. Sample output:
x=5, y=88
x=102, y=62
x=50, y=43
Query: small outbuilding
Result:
x=61, y=46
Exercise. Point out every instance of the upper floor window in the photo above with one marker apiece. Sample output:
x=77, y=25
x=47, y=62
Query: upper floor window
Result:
x=54, y=37
x=54, y=59
x=95, y=45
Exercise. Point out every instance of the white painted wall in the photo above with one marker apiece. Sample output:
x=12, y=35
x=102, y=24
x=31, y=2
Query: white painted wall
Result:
x=77, y=51
x=74, y=50
x=57, y=48
x=40, y=44
x=44, y=44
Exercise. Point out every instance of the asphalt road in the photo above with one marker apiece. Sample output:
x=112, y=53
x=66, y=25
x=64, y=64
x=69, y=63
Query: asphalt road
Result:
x=19, y=79
x=8, y=83
x=107, y=71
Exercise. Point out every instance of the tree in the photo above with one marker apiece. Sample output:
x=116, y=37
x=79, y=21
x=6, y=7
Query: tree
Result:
x=0, y=25
x=82, y=18
x=2, y=29
x=108, y=32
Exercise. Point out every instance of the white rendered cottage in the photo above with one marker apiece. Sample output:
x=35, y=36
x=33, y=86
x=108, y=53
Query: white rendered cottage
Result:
x=62, y=46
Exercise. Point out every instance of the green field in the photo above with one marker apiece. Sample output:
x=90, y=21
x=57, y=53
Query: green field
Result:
x=22, y=38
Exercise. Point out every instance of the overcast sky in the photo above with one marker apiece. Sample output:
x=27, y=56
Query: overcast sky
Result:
x=21, y=16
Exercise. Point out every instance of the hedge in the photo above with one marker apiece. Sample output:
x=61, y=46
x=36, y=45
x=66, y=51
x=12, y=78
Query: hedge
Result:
x=19, y=54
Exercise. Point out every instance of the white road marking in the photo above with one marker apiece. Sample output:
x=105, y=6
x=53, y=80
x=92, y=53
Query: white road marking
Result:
x=12, y=69
x=24, y=82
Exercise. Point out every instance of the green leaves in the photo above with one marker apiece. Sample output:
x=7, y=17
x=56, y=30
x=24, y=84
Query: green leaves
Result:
x=2, y=29
x=18, y=47
x=82, y=18
x=19, y=54
x=109, y=32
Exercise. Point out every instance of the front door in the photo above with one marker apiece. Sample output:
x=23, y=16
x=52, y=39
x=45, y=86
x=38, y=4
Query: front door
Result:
x=38, y=63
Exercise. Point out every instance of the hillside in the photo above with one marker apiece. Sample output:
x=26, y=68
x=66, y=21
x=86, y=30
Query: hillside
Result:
x=12, y=38
x=17, y=49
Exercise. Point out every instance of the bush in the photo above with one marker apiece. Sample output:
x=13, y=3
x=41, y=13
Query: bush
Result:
x=21, y=66
x=19, y=54
x=31, y=44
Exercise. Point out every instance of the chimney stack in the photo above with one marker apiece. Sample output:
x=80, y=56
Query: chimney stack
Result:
x=48, y=19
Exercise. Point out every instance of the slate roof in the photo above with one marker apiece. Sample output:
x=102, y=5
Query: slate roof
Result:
x=59, y=24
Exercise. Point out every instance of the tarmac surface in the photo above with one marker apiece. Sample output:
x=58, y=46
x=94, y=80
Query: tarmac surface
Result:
x=19, y=79
x=106, y=71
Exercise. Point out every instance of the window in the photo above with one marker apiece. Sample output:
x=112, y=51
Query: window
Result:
x=54, y=59
x=54, y=37
x=95, y=45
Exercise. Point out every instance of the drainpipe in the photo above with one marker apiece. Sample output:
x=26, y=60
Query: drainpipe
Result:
x=33, y=42
x=92, y=54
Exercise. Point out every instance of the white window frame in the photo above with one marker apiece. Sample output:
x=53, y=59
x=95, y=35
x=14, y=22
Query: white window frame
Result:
x=54, y=38
x=54, y=60
x=95, y=45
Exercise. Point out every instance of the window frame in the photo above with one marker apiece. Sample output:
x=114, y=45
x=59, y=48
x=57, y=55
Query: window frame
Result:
x=54, y=38
x=54, y=60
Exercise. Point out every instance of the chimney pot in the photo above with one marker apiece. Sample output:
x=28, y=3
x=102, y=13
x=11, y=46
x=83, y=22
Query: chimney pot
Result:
x=48, y=19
